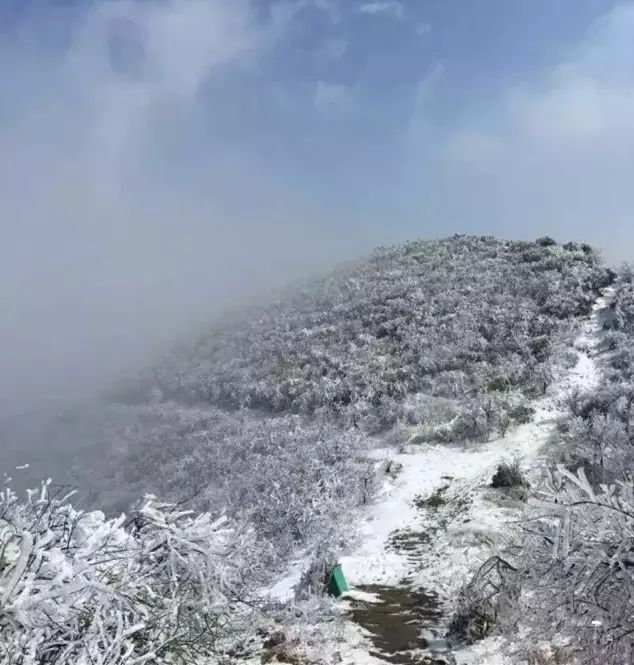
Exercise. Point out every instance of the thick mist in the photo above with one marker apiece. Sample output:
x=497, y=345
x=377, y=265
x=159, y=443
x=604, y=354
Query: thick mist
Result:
x=126, y=219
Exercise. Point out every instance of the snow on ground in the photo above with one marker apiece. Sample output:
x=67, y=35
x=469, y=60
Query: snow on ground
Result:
x=284, y=589
x=467, y=527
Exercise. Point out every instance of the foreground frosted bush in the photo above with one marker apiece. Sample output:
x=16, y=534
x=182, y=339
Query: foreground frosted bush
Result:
x=578, y=569
x=157, y=586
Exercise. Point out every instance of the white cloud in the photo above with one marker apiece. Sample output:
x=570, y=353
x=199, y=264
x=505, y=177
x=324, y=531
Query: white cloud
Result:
x=392, y=7
x=557, y=154
x=420, y=129
x=178, y=45
x=332, y=96
x=426, y=85
x=333, y=49
x=478, y=150
x=331, y=7
x=423, y=29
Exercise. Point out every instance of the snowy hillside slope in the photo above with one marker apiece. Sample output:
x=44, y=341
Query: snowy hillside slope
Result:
x=442, y=340
x=291, y=421
x=269, y=417
x=414, y=318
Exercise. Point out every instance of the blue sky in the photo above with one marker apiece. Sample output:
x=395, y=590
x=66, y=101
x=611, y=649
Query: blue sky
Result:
x=159, y=158
x=347, y=104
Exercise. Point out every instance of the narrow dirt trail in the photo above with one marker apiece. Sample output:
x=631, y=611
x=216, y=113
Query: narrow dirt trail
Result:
x=438, y=522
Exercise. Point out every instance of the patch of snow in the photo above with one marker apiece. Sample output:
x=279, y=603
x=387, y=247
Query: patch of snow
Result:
x=355, y=594
x=489, y=651
x=284, y=589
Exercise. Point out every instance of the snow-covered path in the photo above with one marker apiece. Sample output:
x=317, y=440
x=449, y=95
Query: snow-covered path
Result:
x=410, y=544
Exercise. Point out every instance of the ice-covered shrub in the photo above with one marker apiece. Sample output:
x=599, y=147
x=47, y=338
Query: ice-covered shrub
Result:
x=314, y=580
x=578, y=565
x=488, y=602
x=473, y=619
x=522, y=413
x=509, y=475
x=161, y=585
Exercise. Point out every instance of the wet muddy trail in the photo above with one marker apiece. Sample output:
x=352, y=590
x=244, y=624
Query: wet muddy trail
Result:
x=395, y=622
x=406, y=622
